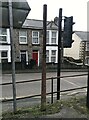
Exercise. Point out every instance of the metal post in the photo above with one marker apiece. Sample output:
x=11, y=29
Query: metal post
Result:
x=52, y=91
x=12, y=55
x=88, y=89
x=43, y=89
x=59, y=52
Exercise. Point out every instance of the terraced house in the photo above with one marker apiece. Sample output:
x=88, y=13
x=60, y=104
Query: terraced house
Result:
x=28, y=42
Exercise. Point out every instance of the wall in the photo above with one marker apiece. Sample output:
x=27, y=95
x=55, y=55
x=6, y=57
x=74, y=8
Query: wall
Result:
x=74, y=50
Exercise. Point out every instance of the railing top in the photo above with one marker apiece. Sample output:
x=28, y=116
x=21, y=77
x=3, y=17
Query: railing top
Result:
x=36, y=80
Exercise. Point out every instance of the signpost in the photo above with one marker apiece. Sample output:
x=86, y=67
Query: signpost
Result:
x=12, y=55
x=13, y=16
x=20, y=10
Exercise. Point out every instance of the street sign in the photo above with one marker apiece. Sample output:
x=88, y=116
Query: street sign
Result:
x=20, y=11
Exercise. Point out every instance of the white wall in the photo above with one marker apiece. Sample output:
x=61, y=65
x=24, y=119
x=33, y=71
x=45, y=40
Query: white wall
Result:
x=74, y=50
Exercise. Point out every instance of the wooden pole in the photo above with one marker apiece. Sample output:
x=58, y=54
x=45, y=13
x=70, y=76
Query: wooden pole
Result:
x=43, y=87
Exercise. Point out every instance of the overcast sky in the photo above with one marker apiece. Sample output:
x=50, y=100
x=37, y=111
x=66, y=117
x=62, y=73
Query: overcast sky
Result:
x=75, y=8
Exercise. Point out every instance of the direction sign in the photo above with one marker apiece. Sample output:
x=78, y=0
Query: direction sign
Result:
x=20, y=11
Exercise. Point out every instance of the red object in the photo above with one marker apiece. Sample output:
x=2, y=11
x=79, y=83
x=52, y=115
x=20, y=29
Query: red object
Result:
x=35, y=56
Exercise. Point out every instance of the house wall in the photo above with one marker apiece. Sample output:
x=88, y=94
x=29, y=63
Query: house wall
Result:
x=74, y=50
x=29, y=47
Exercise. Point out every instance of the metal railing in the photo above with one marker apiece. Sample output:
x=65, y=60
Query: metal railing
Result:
x=49, y=93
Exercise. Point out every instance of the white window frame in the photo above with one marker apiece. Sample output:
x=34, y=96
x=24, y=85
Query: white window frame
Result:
x=53, y=55
x=48, y=37
x=23, y=36
x=35, y=37
x=3, y=35
x=53, y=37
x=3, y=58
x=47, y=56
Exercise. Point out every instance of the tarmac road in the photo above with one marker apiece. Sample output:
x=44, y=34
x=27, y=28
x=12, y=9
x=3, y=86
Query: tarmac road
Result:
x=32, y=88
x=35, y=87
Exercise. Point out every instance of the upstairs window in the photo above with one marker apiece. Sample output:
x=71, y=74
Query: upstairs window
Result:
x=35, y=37
x=3, y=35
x=47, y=39
x=23, y=37
x=53, y=37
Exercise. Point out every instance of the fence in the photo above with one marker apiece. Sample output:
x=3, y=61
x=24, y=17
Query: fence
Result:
x=49, y=93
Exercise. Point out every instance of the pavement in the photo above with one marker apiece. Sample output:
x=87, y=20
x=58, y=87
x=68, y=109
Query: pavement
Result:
x=37, y=70
x=67, y=112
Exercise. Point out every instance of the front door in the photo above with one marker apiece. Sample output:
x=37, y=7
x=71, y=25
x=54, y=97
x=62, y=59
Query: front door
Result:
x=35, y=56
x=23, y=58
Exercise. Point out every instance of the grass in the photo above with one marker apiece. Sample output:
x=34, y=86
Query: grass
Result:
x=77, y=103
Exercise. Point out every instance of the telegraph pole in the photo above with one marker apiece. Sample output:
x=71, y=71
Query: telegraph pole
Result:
x=59, y=52
x=12, y=55
x=43, y=87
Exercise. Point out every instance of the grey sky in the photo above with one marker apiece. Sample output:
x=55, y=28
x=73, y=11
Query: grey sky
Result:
x=75, y=8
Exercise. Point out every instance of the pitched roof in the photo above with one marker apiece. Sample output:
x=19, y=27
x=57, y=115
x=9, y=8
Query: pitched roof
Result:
x=32, y=23
x=38, y=24
x=84, y=35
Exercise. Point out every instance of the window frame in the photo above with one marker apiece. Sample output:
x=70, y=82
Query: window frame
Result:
x=2, y=57
x=47, y=56
x=22, y=36
x=53, y=37
x=48, y=37
x=35, y=37
x=3, y=35
x=53, y=56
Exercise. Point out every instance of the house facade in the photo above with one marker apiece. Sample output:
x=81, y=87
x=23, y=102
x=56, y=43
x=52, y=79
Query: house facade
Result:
x=28, y=43
x=52, y=43
x=80, y=47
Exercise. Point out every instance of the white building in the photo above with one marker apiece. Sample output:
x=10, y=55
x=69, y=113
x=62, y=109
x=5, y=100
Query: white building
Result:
x=5, y=47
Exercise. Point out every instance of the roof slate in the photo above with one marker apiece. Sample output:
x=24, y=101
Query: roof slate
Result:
x=84, y=35
x=38, y=24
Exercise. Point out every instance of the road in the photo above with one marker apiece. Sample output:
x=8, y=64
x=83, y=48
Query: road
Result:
x=33, y=88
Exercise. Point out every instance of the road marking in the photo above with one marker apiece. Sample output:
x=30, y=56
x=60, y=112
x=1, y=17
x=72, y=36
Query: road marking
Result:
x=72, y=83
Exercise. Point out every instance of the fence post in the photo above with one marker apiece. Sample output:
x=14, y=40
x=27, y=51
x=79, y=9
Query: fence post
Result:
x=51, y=90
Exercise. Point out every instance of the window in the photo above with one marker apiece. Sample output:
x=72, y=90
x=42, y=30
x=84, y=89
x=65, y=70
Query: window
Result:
x=3, y=35
x=47, y=55
x=47, y=39
x=53, y=38
x=87, y=46
x=35, y=37
x=4, y=56
x=53, y=56
x=23, y=37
